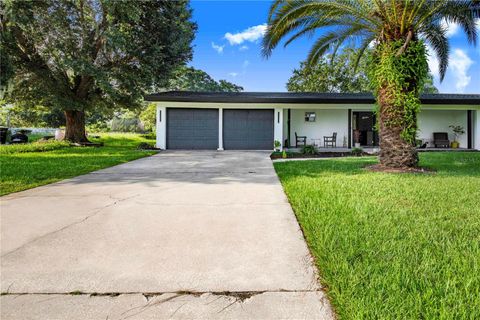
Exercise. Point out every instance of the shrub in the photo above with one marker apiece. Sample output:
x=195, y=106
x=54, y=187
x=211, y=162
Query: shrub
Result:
x=308, y=149
x=357, y=151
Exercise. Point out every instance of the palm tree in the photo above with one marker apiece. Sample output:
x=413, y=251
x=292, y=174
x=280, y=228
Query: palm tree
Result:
x=399, y=31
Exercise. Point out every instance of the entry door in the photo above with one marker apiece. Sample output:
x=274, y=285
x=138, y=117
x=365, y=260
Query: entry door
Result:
x=247, y=129
x=365, y=122
x=192, y=129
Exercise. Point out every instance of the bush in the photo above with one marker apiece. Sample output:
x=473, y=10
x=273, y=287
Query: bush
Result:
x=357, y=151
x=308, y=149
x=127, y=125
x=146, y=146
x=148, y=117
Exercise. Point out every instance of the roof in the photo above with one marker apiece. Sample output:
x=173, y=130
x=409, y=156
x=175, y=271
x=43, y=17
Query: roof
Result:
x=302, y=98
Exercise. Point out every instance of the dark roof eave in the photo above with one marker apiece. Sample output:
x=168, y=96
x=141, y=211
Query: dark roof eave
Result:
x=302, y=98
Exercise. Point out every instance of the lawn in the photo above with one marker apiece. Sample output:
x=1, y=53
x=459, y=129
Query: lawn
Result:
x=392, y=246
x=31, y=165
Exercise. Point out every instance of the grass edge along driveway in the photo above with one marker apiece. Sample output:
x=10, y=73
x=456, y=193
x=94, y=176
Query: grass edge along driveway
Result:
x=57, y=161
x=392, y=246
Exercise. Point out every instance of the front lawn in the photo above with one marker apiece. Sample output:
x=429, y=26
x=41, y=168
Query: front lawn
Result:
x=31, y=165
x=392, y=246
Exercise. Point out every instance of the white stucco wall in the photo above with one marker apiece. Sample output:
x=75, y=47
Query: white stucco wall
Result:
x=430, y=121
x=326, y=122
x=161, y=127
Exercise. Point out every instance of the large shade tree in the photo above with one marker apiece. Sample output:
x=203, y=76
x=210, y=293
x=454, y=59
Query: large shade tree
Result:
x=79, y=55
x=399, y=31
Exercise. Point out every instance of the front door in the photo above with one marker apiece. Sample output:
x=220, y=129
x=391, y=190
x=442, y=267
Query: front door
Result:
x=364, y=130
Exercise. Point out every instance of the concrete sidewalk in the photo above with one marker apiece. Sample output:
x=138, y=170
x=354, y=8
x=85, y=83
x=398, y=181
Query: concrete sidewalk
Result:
x=177, y=235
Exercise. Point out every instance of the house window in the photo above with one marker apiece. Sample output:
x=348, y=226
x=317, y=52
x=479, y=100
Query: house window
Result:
x=310, y=116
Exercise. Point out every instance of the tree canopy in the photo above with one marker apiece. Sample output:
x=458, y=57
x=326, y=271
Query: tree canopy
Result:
x=81, y=55
x=338, y=74
x=191, y=79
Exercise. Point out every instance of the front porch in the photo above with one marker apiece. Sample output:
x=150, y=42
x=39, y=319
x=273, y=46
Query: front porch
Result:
x=354, y=126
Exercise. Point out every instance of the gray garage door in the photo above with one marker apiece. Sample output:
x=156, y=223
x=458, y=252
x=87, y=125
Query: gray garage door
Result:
x=247, y=129
x=192, y=128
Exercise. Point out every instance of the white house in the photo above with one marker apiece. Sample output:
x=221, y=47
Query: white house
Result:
x=254, y=120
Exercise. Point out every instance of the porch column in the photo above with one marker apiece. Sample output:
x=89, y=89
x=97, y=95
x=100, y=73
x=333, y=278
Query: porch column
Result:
x=476, y=129
x=220, y=129
x=161, y=127
x=278, y=126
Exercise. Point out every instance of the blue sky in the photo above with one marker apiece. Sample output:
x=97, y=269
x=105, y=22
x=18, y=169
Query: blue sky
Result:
x=228, y=42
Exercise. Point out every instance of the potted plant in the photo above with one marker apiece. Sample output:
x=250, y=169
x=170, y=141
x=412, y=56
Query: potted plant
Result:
x=277, y=145
x=457, y=131
x=356, y=137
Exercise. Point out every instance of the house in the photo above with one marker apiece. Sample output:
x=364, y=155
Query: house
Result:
x=254, y=120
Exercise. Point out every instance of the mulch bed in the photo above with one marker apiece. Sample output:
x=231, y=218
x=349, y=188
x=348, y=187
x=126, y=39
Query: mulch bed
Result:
x=274, y=156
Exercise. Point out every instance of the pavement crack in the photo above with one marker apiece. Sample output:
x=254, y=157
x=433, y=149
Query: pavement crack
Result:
x=239, y=295
x=95, y=213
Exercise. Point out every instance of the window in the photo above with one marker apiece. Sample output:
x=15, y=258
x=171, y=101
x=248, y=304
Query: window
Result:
x=310, y=116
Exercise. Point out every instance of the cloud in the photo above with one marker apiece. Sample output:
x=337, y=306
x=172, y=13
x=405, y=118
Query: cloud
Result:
x=233, y=74
x=217, y=48
x=243, y=48
x=251, y=34
x=451, y=27
x=459, y=63
x=245, y=64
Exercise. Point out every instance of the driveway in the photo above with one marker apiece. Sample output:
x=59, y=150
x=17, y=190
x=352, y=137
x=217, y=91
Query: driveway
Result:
x=177, y=235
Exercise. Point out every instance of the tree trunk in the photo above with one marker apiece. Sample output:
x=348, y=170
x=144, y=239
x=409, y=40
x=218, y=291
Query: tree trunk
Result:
x=395, y=152
x=75, y=126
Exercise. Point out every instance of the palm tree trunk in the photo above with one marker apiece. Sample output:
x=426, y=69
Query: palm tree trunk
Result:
x=75, y=126
x=395, y=152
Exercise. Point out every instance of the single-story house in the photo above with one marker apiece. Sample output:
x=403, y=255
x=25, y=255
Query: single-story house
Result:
x=254, y=120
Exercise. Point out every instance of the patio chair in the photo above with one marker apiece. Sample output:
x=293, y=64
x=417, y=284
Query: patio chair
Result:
x=300, y=139
x=330, y=141
x=440, y=140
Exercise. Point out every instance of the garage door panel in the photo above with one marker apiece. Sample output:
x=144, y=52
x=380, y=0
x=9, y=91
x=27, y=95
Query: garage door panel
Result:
x=247, y=129
x=192, y=128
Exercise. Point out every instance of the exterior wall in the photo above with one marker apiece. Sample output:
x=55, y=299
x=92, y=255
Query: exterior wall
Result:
x=326, y=122
x=278, y=127
x=161, y=127
x=430, y=121
x=334, y=118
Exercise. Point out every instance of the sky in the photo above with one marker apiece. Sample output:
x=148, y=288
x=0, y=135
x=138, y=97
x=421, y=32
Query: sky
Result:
x=228, y=46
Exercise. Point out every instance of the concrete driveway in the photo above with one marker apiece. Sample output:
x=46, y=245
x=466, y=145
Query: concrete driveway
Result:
x=176, y=235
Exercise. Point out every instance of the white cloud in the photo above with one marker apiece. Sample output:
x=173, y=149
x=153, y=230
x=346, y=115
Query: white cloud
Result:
x=452, y=28
x=217, y=48
x=251, y=34
x=233, y=74
x=243, y=48
x=459, y=63
x=245, y=64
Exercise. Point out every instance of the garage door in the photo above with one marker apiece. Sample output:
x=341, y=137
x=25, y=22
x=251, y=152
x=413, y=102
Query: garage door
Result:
x=192, y=129
x=247, y=129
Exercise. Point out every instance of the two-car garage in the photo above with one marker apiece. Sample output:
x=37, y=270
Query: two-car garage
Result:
x=198, y=128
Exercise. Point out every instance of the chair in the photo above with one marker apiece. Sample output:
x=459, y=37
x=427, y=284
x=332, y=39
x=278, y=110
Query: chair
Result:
x=330, y=141
x=300, y=139
x=440, y=140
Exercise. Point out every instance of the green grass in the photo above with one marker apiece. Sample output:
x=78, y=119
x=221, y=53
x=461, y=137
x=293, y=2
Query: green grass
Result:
x=392, y=246
x=31, y=165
